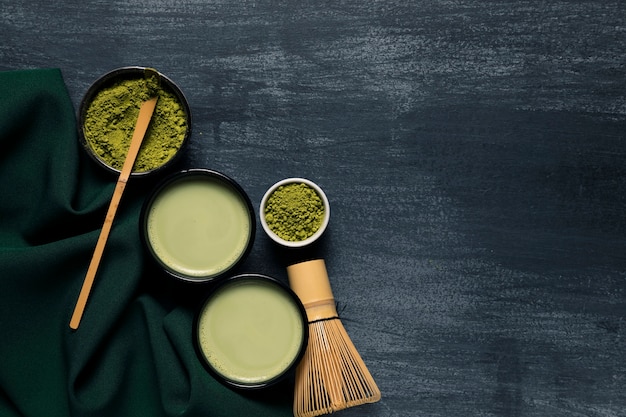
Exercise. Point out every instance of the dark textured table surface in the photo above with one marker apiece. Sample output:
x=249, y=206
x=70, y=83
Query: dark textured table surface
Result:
x=473, y=153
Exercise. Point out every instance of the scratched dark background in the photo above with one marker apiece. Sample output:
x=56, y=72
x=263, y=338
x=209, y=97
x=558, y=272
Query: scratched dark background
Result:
x=473, y=152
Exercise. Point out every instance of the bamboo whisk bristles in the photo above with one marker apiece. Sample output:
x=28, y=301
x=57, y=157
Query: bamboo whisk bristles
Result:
x=331, y=375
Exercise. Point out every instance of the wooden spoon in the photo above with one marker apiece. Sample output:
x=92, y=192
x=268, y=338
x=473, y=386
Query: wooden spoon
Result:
x=145, y=115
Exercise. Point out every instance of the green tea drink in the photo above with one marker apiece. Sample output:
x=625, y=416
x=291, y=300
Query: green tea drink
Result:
x=250, y=331
x=199, y=226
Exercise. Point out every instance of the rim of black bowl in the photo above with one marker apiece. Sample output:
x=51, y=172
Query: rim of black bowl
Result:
x=127, y=73
x=289, y=370
x=181, y=175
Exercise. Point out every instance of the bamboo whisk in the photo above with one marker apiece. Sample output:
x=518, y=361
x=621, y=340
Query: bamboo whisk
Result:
x=331, y=375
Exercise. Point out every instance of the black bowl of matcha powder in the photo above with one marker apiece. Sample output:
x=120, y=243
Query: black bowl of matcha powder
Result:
x=109, y=112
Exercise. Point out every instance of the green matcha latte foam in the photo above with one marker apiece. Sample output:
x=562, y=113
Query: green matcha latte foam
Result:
x=251, y=331
x=198, y=224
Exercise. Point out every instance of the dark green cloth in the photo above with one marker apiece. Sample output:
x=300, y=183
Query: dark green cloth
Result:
x=133, y=353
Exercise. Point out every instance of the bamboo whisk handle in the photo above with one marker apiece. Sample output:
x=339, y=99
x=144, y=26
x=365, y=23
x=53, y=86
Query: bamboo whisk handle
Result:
x=309, y=280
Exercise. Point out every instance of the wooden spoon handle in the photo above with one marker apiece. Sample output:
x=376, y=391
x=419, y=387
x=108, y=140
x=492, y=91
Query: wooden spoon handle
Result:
x=145, y=115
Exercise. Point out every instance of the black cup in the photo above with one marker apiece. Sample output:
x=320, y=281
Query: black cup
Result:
x=251, y=332
x=110, y=79
x=197, y=225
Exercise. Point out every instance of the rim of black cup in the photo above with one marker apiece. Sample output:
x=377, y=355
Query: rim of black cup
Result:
x=182, y=175
x=289, y=370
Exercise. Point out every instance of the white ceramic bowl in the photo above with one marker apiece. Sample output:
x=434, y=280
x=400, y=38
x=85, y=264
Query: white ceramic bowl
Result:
x=298, y=243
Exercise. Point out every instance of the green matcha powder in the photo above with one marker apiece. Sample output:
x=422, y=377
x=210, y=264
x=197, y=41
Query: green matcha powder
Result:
x=294, y=212
x=111, y=117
